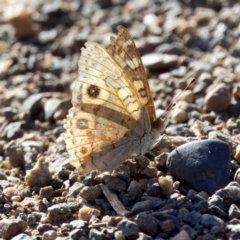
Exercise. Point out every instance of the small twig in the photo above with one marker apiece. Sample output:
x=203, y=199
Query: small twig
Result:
x=168, y=208
x=96, y=225
x=173, y=205
x=114, y=201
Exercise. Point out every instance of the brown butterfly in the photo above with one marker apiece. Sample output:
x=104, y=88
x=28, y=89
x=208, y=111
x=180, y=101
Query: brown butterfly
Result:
x=113, y=116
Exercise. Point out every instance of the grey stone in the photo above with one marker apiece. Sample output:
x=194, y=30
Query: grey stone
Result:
x=76, y=234
x=234, y=212
x=204, y=165
x=217, y=201
x=230, y=193
x=159, y=61
x=14, y=130
x=218, y=99
x=90, y=193
x=75, y=189
x=206, y=236
x=129, y=228
x=50, y=107
x=46, y=192
x=201, y=206
x=209, y=221
x=147, y=224
x=167, y=226
x=42, y=228
x=22, y=236
x=14, y=151
x=143, y=236
x=79, y=224
x=214, y=210
x=141, y=207
x=191, y=232
x=192, y=218
x=33, y=103
x=10, y=227
x=115, y=184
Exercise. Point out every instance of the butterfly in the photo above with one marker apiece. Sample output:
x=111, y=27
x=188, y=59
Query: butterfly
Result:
x=113, y=116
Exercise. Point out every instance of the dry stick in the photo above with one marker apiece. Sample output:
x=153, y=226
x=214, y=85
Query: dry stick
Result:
x=173, y=205
x=114, y=201
x=97, y=225
x=169, y=207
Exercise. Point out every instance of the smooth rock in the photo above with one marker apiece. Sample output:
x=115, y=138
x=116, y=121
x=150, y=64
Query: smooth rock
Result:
x=50, y=235
x=218, y=99
x=95, y=234
x=90, y=193
x=167, y=226
x=209, y=221
x=204, y=165
x=39, y=175
x=46, y=192
x=141, y=207
x=179, y=115
x=234, y=212
x=10, y=227
x=129, y=228
x=22, y=236
x=51, y=107
x=165, y=185
x=230, y=194
x=14, y=130
x=15, y=152
x=192, y=218
x=183, y=235
x=85, y=213
x=158, y=61
x=33, y=103
x=115, y=184
x=173, y=48
x=147, y=224
x=20, y=17
x=143, y=236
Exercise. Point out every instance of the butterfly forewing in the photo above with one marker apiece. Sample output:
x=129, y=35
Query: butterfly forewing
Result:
x=124, y=51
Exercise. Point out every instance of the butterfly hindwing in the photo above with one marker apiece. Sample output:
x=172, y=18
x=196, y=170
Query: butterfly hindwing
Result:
x=88, y=135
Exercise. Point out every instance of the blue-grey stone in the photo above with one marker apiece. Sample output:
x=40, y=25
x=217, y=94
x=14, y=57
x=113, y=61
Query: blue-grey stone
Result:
x=22, y=236
x=203, y=164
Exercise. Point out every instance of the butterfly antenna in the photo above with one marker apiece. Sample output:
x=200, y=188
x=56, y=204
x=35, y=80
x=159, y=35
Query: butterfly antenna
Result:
x=173, y=102
x=161, y=121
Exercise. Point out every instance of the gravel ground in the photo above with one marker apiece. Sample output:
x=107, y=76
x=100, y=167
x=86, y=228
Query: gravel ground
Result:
x=158, y=196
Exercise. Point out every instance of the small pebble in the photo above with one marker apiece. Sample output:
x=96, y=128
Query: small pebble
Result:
x=39, y=175
x=218, y=99
x=90, y=193
x=158, y=61
x=166, y=185
x=50, y=235
x=183, y=235
x=85, y=213
x=147, y=224
x=10, y=227
x=129, y=228
x=46, y=192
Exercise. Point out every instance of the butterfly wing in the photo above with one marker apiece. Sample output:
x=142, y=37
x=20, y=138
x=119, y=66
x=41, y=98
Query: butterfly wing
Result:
x=106, y=113
x=124, y=51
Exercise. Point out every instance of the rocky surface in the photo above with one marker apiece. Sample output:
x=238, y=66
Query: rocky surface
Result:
x=43, y=197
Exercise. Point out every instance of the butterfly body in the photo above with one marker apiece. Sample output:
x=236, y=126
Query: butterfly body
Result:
x=113, y=116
